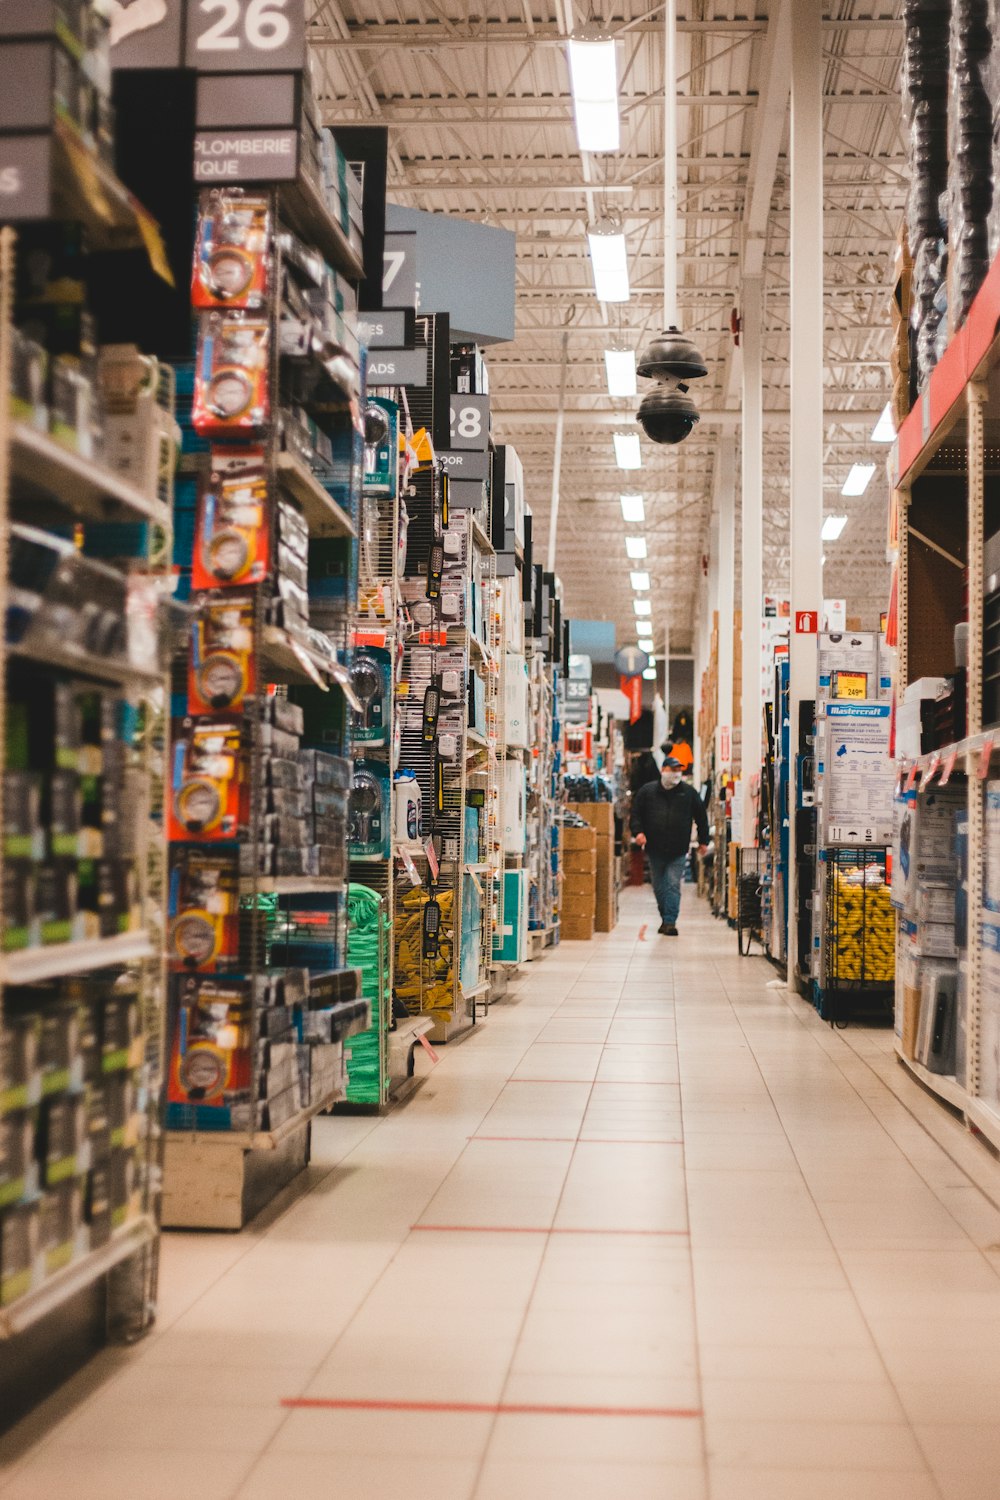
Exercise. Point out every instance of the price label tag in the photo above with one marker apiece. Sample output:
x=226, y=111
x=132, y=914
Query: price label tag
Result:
x=432, y=859
x=911, y=778
x=985, y=756
x=949, y=765
x=246, y=36
x=932, y=770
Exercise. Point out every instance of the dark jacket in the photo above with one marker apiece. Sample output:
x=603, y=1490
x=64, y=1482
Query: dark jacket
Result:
x=666, y=817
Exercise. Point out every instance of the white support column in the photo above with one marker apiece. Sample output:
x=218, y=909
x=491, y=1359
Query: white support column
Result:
x=806, y=371
x=752, y=546
x=725, y=490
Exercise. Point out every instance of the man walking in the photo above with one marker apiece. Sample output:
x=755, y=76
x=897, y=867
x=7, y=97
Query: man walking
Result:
x=662, y=814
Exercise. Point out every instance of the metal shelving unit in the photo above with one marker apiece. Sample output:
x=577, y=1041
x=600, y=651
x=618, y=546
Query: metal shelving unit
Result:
x=40, y=479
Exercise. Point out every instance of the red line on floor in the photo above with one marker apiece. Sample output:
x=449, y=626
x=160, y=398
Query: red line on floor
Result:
x=532, y=1229
x=580, y=1140
x=487, y=1408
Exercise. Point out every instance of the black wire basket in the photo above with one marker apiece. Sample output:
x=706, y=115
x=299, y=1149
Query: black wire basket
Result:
x=859, y=949
x=750, y=867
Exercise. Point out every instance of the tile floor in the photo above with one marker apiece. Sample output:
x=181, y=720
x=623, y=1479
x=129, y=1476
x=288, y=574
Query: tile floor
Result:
x=655, y=1230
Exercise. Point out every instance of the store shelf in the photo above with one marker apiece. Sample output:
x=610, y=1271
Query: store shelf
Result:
x=481, y=988
x=304, y=209
x=43, y=470
x=256, y=1140
x=33, y=964
x=475, y=738
x=981, y=1117
x=325, y=516
x=403, y=1039
x=964, y=751
x=290, y=885
x=56, y=1289
x=286, y=660
x=82, y=664
x=948, y=1089
x=481, y=539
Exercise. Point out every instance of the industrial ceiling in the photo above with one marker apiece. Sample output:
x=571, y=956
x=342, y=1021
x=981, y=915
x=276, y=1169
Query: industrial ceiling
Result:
x=480, y=120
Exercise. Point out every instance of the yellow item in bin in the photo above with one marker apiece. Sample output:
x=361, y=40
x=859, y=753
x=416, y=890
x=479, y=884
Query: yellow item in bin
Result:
x=424, y=985
x=865, y=927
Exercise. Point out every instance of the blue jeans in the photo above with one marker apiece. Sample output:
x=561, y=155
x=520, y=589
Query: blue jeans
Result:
x=667, y=875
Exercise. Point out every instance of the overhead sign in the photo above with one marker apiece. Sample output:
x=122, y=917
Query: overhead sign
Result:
x=806, y=622
x=246, y=156
x=470, y=422
x=631, y=661
x=386, y=330
x=398, y=367
x=246, y=36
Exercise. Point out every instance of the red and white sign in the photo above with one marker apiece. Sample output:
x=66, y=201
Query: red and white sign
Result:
x=725, y=745
x=632, y=688
x=806, y=622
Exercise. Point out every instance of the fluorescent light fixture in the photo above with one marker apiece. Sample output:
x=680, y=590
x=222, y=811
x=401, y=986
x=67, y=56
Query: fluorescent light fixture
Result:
x=633, y=509
x=609, y=262
x=627, y=452
x=620, y=365
x=635, y=546
x=642, y=606
x=884, y=430
x=640, y=582
x=858, y=479
x=593, y=77
x=832, y=527
x=650, y=674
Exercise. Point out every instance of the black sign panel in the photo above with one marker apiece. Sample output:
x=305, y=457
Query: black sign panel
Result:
x=246, y=156
x=25, y=177
x=227, y=101
x=246, y=36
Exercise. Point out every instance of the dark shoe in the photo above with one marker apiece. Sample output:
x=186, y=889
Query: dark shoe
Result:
x=669, y=931
x=663, y=929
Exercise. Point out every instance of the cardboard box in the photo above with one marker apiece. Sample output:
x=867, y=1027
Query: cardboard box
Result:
x=606, y=902
x=579, y=897
x=600, y=815
x=576, y=929
x=578, y=838
x=580, y=862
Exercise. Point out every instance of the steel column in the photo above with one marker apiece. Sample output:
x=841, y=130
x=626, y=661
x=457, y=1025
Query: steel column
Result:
x=725, y=489
x=752, y=547
x=806, y=370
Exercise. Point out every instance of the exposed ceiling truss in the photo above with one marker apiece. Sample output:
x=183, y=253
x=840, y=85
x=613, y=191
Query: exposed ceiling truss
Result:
x=480, y=126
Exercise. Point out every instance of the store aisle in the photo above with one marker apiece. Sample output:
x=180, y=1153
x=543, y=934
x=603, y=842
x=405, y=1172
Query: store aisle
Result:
x=654, y=1231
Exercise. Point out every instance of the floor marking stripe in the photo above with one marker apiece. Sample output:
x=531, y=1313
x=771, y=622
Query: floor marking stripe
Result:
x=580, y=1140
x=533, y=1229
x=486, y=1408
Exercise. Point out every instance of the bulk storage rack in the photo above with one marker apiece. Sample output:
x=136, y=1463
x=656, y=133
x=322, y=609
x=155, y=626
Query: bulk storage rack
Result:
x=947, y=448
x=86, y=1274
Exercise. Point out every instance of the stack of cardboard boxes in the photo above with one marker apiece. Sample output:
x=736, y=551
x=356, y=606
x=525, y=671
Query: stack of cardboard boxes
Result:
x=579, y=892
x=601, y=817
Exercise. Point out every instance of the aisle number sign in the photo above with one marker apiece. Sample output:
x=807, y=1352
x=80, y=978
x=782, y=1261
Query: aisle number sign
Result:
x=246, y=36
x=470, y=423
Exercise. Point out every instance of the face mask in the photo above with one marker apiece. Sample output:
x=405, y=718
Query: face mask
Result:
x=670, y=779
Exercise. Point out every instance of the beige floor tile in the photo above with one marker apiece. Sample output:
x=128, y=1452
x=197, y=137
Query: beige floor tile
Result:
x=316, y=1476
x=740, y=1483
x=126, y=1474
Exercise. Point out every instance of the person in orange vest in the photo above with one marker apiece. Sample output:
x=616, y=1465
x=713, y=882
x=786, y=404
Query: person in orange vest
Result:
x=681, y=752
